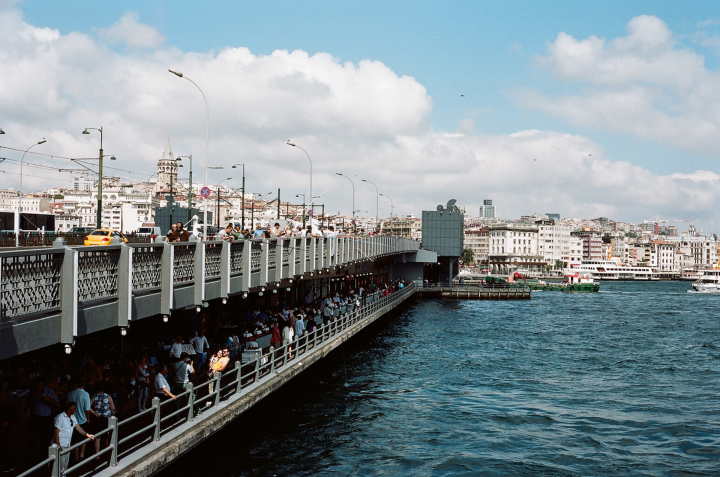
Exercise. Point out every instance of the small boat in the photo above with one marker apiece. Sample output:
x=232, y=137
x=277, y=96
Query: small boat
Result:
x=709, y=282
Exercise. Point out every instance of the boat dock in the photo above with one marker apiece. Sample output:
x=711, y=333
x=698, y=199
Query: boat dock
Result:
x=474, y=292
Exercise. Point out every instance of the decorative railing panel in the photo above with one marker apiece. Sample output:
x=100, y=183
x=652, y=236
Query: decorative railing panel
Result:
x=308, y=248
x=287, y=244
x=30, y=283
x=212, y=259
x=146, y=268
x=236, y=256
x=97, y=273
x=272, y=252
x=255, y=252
x=297, y=243
x=183, y=263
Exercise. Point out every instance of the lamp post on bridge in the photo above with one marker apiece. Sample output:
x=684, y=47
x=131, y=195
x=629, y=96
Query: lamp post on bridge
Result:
x=20, y=197
x=190, y=192
x=353, y=198
x=217, y=210
x=303, y=209
x=392, y=207
x=207, y=146
x=311, y=174
x=242, y=199
x=377, y=200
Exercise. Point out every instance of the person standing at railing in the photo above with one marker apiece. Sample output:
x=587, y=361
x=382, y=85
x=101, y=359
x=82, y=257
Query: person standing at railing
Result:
x=104, y=407
x=169, y=237
x=182, y=370
x=288, y=335
x=161, y=386
x=142, y=381
x=275, y=340
x=81, y=398
x=65, y=425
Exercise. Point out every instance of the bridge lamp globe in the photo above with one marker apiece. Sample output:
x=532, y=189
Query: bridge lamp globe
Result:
x=68, y=349
x=260, y=294
x=123, y=331
x=165, y=318
x=197, y=309
x=224, y=301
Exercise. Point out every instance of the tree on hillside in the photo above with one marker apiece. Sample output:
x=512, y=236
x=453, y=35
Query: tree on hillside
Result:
x=467, y=256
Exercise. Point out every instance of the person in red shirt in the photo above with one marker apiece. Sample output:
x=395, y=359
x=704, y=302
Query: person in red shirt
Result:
x=276, y=340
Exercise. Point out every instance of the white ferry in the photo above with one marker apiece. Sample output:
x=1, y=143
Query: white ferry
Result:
x=709, y=282
x=607, y=270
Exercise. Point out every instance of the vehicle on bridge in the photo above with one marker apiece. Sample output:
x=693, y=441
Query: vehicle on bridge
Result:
x=103, y=237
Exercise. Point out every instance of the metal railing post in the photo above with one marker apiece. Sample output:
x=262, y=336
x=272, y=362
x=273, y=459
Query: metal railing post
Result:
x=191, y=401
x=113, y=424
x=238, y=367
x=272, y=359
x=54, y=451
x=257, y=367
x=216, y=402
x=156, y=406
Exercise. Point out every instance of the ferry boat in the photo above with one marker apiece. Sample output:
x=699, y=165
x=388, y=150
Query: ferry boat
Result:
x=607, y=270
x=709, y=282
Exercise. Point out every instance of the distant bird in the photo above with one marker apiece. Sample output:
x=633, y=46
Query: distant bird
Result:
x=535, y=160
x=462, y=95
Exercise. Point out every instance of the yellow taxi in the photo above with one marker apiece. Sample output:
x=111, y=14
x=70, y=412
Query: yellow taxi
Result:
x=103, y=237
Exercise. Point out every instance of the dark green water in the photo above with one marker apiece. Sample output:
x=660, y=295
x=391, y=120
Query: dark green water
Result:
x=621, y=382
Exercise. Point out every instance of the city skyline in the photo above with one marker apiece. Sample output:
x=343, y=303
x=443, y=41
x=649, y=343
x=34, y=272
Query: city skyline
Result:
x=604, y=117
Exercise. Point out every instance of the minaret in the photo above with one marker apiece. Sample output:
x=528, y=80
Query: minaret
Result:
x=167, y=169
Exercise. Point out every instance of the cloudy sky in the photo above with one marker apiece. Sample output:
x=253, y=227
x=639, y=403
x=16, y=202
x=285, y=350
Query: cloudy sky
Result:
x=586, y=109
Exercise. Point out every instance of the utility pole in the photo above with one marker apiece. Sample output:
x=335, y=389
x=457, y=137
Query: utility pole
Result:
x=278, y=198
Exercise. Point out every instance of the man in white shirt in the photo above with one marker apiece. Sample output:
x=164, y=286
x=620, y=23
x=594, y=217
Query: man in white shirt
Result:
x=226, y=234
x=161, y=386
x=201, y=345
x=65, y=423
x=176, y=348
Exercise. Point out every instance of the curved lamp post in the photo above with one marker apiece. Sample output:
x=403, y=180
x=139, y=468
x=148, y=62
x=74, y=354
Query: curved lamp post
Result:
x=308, y=156
x=207, y=146
x=190, y=192
x=17, y=227
x=353, y=197
x=377, y=199
x=100, y=174
x=217, y=212
x=242, y=199
x=392, y=206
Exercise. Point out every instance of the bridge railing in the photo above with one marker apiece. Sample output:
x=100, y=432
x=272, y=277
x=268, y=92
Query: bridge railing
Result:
x=68, y=292
x=195, y=402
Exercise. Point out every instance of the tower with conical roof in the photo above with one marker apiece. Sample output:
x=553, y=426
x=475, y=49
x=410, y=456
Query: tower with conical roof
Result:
x=167, y=170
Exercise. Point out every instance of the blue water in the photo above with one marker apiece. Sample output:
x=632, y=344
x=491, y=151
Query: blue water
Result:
x=621, y=382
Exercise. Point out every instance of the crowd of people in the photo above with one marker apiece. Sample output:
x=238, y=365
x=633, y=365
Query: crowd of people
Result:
x=68, y=399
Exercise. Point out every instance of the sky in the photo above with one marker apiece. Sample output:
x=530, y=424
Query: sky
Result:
x=586, y=109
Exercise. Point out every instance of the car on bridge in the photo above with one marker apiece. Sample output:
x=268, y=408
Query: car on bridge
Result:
x=103, y=237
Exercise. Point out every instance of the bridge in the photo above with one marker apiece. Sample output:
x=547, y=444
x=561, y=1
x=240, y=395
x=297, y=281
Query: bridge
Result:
x=52, y=295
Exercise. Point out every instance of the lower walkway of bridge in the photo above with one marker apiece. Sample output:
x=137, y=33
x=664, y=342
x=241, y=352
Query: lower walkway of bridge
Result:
x=151, y=440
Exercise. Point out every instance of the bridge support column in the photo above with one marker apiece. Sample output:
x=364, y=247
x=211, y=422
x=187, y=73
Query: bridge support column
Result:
x=225, y=270
x=199, y=262
x=166, y=278
x=125, y=286
x=69, y=296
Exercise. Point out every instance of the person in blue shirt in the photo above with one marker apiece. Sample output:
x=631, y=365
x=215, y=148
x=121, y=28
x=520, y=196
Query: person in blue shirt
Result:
x=258, y=232
x=82, y=399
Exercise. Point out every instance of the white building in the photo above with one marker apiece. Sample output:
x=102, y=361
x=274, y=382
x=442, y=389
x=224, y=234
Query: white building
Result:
x=553, y=241
x=514, y=247
x=477, y=240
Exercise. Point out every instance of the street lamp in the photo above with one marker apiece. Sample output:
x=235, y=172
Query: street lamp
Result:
x=353, y=197
x=207, y=144
x=308, y=156
x=392, y=207
x=252, y=210
x=217, y=211
x=242, y=212
x=303, y=209
x=189, y=186
x=100, y=174
x=377, y=199
x=17, y=225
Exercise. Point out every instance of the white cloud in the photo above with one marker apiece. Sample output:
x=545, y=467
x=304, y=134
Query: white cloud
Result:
x=129, y=32
x=642, y=84
x=363, y=120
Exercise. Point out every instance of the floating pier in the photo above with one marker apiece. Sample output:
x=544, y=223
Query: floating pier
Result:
x=465, y=292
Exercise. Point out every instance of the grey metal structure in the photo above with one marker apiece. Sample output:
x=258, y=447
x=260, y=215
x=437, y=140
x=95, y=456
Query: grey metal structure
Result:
x=50, y=296
x=442, y=232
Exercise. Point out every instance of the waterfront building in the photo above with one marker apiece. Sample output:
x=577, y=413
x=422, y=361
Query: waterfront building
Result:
x=83, y=182
x=592, y=243
x=514, y=248
x=553, y=242
x=487, y=210
x=575, y=251
x=477, y=240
